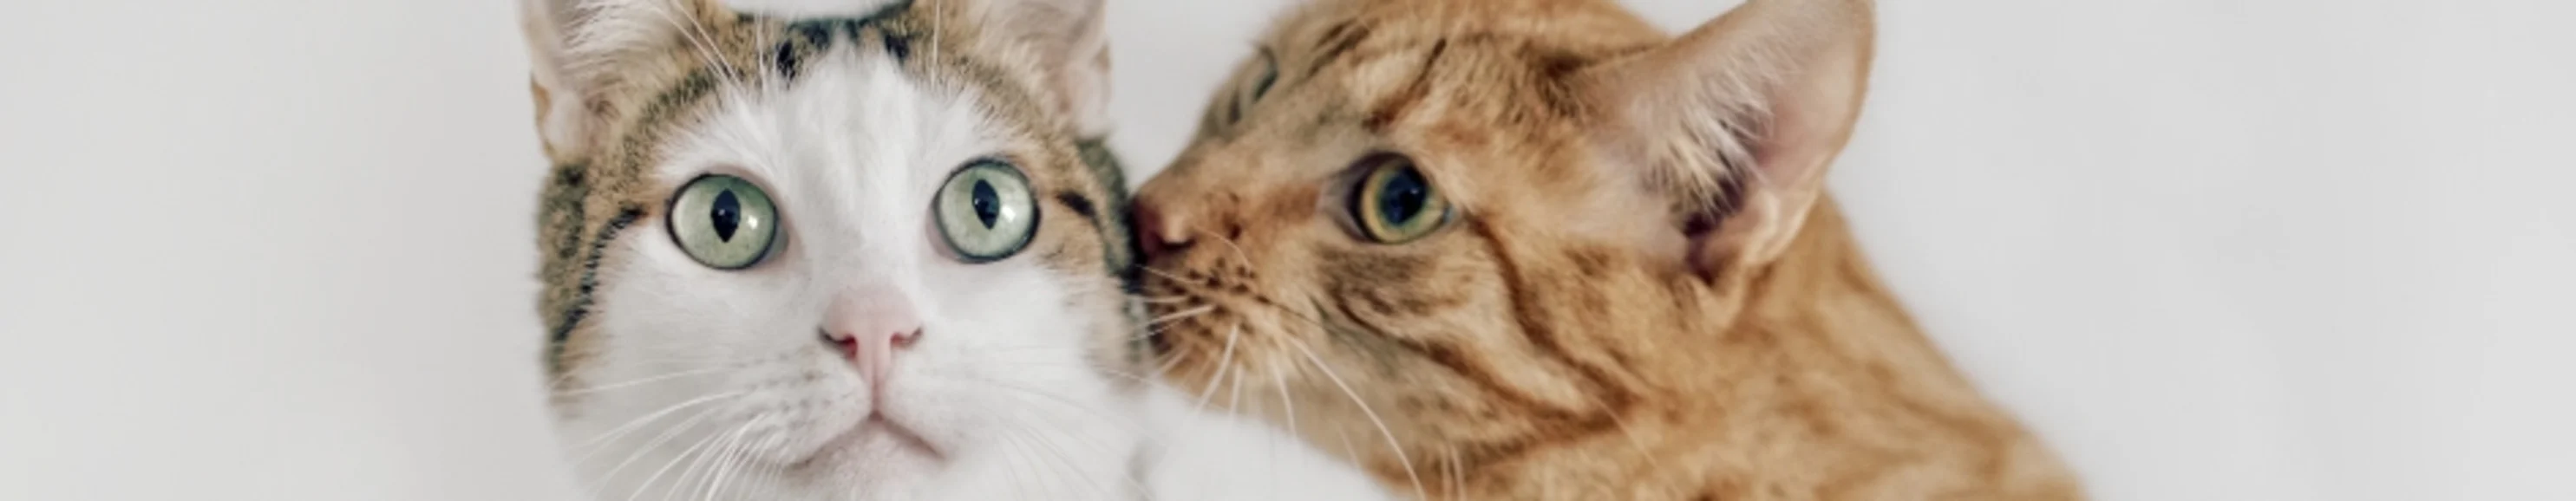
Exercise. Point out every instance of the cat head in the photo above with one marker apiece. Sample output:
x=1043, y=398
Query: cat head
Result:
x=815, y=254
x=1471, y=229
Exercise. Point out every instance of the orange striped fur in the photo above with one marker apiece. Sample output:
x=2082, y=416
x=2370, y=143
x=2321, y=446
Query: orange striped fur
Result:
x=1644, y=292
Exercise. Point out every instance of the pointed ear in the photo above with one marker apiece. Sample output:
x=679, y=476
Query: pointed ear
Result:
x=1736, y=121
x=1070, y=41
x=564, y=119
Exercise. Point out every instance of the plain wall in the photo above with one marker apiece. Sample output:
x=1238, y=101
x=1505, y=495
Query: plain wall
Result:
x=2278, y=250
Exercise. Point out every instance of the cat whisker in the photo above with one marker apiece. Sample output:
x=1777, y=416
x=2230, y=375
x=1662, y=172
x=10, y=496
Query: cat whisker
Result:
x=1014, y=460
x=1634, y=442
x=1382, y=429
x=1287, y=405
x=672, y=13
x=640, y=421
x=1166, y=367
x=1063, y=459
x=1166, y=299
x=1093, y=412
x=656, y=443
x=723, y=442
x=1234, y=401
x=1457, y=474
x=1176, y=279
x=1180, y=315
x=640, y=381
x=1239, y=256
x=731, y=463
x=1223, y=360
x=685, y=455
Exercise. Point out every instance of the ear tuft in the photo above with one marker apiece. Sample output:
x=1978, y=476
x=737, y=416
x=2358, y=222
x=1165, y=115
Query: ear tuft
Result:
x=1736, y=121
x=562, y=117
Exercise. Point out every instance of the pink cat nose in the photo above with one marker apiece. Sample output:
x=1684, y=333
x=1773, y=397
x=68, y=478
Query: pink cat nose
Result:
x=1155, y=233
x=868, y=327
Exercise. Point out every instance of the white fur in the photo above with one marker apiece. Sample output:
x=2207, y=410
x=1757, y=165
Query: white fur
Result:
x=998, y=382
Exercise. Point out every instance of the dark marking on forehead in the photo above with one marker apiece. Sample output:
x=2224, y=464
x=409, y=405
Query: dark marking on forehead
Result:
x=811, y=36
x=897, y=45
x=1555, y=69
x=1394, y=107
x=699, y=83
x=1337, y=41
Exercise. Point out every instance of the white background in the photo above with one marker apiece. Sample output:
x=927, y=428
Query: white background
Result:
x=2213, y=250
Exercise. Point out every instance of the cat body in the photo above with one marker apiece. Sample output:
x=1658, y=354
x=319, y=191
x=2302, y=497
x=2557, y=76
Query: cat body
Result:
x=820, y=255
x=1537, y=249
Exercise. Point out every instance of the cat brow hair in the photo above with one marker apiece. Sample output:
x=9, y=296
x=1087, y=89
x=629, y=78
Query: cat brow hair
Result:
x=1395, y=106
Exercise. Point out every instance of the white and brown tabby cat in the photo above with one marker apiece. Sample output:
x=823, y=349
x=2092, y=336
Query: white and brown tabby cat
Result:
x=1537, y=249
x=808, y=253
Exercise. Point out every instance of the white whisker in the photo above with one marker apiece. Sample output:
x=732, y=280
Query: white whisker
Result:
x=1382, y=429
x=666, y=468
x=1180, y=315
x=640, y=381
x=637, y=422
x=656, y=443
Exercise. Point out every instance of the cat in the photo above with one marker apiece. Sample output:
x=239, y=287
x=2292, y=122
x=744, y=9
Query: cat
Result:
x=870, y=253
x=1538, y=249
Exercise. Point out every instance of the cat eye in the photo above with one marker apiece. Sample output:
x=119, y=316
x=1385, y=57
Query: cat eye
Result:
x=1394, y=203
x=724, y=222
x=986, y=211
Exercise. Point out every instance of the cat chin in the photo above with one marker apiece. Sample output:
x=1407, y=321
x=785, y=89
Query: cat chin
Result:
x=879, y=454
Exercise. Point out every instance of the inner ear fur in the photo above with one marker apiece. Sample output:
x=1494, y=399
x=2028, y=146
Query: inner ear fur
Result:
x=1735, y=122
x=1068, y=42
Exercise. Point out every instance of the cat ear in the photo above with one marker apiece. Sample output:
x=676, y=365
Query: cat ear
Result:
x=579, y=49
x=1737, y=120
x=1071, y=44
x=563, y=118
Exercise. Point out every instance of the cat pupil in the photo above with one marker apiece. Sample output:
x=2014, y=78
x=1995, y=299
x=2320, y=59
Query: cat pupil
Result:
x=727, y=215
x=988, y=205
x=1402, y=198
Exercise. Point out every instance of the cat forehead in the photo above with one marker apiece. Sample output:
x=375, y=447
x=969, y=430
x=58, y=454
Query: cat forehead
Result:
x=1342, y=24
x=1391, y=53
x=848, y=123
x=810, y=8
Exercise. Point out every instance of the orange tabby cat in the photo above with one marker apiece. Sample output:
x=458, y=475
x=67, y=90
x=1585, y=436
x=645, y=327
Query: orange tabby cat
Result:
x=1536, y=249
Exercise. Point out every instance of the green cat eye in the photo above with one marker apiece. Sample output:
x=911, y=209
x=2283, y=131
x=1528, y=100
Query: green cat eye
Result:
x=986, y=211
x=724, y=222
x=1395, y=203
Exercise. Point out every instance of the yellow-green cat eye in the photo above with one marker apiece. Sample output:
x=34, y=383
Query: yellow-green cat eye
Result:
x=723, y=222
x=1394, y=203
x=985, y=211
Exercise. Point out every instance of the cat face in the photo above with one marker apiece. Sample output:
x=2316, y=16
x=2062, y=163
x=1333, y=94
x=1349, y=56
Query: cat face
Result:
x=1450, y=234
x=828, y=257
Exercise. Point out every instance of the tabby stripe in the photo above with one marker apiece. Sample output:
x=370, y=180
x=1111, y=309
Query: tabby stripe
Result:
x=1337, y=41
x=1395, y=106
x=580, y=307
x=1457, y=361
x=814, y=36
x=691, y=89
x=1568, y=426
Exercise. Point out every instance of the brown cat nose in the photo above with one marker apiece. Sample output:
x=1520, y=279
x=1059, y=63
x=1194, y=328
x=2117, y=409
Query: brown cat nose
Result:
x=1156, y=233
